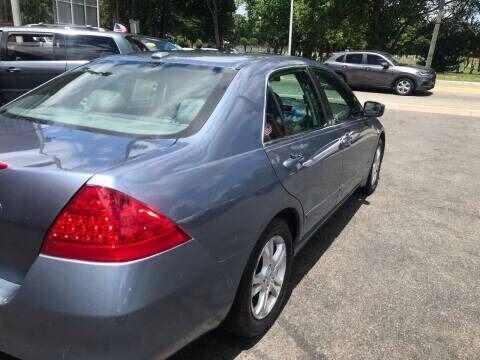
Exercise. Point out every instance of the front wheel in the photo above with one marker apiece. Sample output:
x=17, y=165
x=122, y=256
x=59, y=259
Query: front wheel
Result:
x=404, y=87
x=264, y=287
x=374, y=174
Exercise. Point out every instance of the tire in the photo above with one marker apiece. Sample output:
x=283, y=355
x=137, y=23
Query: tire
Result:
x=374, y=174
x=243, y=319
x=404, y=87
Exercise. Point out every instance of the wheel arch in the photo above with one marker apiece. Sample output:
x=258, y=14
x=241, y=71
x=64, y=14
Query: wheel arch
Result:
x=292, y=218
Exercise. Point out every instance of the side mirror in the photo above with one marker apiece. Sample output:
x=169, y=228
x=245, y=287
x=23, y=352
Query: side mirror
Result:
x=373, y=109
x=385, y=64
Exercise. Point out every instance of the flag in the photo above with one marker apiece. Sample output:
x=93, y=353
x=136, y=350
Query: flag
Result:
x=119, y=28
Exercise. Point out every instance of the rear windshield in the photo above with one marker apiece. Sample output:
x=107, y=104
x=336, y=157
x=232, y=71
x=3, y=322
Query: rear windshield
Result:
x=135, y=98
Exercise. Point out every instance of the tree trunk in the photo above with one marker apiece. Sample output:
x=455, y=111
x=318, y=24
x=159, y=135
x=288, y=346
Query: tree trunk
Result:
x=213, y=7
x=436, y=30
x=375, y=38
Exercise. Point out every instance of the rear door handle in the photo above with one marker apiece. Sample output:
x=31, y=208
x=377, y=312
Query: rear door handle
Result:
x=12, y=69
x=294, y=162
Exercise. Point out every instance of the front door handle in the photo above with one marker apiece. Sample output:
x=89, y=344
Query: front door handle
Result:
x=12, y=69
x=294, y=162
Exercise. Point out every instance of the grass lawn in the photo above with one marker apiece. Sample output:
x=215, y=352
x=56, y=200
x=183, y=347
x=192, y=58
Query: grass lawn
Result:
x=459, y=76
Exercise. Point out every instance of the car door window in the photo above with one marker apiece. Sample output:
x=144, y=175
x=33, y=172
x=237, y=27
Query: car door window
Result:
x=354, y=58
x=292, y=105
x=341, y=104
x=374, y=59
x=33, y=47
x=87, y=47
x=340, y=59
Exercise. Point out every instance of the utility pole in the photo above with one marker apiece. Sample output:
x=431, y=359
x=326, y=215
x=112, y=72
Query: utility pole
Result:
x=17, y=20
x=290, y=29
x=436, y=29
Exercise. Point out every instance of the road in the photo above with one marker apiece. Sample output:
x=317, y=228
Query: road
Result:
x=396, y=275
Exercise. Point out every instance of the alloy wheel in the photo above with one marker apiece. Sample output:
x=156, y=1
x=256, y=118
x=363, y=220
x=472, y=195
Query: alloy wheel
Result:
x=404, y=87
x=268, y=277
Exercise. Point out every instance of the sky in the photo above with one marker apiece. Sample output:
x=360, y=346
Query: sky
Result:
x=242, y=10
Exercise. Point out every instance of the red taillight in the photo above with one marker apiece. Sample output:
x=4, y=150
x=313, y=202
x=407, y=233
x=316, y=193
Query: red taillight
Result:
x=3, y=165
x=101, y=224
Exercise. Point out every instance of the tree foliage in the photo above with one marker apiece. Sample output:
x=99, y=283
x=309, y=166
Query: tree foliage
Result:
x=320, y=26
x=397, y=26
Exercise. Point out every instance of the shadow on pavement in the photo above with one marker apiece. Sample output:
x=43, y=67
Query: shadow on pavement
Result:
x=219, y=344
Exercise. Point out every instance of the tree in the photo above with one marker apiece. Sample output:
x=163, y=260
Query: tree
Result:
x=253, y=42
x=35, y=11
x=213, y=7
x=244, y=42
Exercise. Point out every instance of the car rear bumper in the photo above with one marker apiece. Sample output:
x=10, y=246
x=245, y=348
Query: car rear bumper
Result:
x=138, y=310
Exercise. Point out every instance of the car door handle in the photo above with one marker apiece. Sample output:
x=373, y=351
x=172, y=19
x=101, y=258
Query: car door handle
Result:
x=12, y=69
x=294, y=162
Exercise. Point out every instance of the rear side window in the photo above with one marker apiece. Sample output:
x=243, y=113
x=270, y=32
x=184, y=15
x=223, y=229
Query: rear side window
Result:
x=354, y=58
x=292, y=106
x=87, y=47
x=374, y=59
x=136, y=98
x=33, y=47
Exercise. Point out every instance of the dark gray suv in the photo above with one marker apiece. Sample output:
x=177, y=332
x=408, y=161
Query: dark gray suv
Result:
x=30, y=55
x=381, y=70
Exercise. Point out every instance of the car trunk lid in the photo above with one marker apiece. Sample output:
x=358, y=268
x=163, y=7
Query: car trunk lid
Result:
x=46, y=166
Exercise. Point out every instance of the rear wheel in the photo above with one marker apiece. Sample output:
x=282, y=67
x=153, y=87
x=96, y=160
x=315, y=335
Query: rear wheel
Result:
x=404, y=87
x=374, y=174
x=264, y=287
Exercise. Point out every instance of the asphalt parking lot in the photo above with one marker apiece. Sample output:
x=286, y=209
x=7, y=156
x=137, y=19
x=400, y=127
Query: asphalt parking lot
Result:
x=396, y=275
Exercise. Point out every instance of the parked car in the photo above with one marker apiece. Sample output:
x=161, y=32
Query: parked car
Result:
x=154, y=44
x=31, y=55
x=381, y=70
x=147, y=199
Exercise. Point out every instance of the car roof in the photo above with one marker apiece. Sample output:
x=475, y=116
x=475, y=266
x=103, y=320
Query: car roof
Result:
x=214, y=59
x=63, y=29
x=360, y=51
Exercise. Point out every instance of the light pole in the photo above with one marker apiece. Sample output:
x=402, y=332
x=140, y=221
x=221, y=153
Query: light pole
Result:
x=290, y=29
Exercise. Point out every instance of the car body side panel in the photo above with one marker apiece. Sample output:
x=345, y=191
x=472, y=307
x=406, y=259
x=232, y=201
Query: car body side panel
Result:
x=316, y=181
x=358, y=155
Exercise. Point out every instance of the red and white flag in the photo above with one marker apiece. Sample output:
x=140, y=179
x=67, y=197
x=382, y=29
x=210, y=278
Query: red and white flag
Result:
x=119, y=28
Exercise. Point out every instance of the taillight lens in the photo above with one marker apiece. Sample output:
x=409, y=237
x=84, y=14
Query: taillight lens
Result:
x=105, y=225
x=3, y=165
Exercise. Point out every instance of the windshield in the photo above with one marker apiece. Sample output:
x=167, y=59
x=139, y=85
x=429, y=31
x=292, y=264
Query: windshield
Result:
x=135, y=98
x=394, y=60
